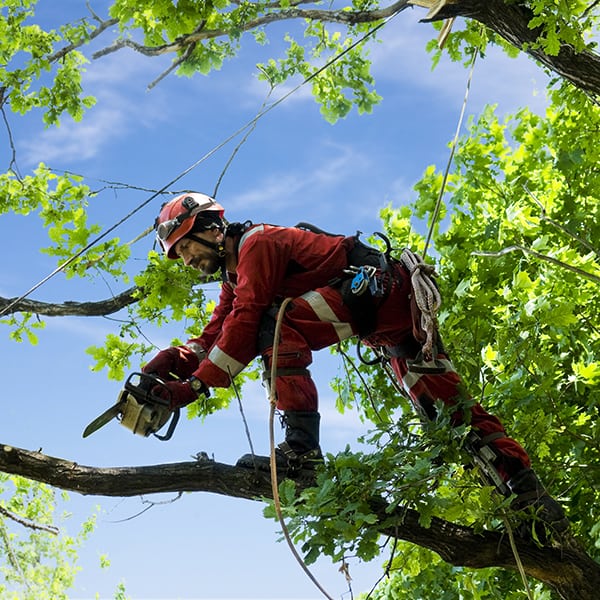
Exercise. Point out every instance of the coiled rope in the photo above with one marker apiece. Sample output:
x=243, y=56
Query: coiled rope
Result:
x=427, y=297
x=426, y=293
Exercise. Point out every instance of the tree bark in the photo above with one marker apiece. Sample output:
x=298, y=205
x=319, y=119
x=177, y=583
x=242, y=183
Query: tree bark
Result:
x=65, y=309
x=568, y=569
x=510, y=20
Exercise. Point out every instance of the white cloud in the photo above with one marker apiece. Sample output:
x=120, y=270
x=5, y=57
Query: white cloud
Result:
x=285, y=189
x=118, y=82
x=401, y=58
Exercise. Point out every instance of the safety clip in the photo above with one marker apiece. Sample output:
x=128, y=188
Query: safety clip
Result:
x=365, y=277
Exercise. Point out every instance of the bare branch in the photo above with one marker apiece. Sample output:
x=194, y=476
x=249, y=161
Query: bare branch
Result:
x=79, y=309
x=179, y=61
x=27, y=523
x=103, y=26
x=560, y=227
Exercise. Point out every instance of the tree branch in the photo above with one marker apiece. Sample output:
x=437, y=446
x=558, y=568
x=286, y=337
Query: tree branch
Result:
x=508, y=19
x=103, y=26
x=78, y=309
x=328, y=16
x=511, y=21
x=550, y=259
x=567, y=569
x=27, y=523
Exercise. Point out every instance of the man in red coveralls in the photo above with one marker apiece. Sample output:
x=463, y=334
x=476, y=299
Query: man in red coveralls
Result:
x=340, y=288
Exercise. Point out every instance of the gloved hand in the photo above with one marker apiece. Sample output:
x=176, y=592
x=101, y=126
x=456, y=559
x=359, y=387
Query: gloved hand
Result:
x=181, y=393
x=179, y=360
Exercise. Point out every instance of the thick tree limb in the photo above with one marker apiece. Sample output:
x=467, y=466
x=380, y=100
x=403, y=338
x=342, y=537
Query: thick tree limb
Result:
x=511, y=21
x=78, y=309
x=568, y=570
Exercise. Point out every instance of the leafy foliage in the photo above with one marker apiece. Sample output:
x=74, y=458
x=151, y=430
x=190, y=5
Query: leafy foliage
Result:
x=18, y=76
x=517, y=251
x=41, y=560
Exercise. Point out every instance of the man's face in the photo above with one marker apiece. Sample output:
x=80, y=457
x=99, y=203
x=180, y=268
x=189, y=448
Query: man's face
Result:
x=197, y=255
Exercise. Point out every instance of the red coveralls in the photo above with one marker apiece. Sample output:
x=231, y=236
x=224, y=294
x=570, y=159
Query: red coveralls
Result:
x=279, y=262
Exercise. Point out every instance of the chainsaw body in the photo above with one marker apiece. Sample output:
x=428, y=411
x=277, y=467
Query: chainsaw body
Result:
x=143, y=407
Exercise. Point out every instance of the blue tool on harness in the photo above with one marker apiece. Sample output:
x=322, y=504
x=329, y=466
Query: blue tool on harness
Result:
x=366, y=278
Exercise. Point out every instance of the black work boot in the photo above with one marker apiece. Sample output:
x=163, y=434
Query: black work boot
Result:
x=300, y=452
x=533, y=497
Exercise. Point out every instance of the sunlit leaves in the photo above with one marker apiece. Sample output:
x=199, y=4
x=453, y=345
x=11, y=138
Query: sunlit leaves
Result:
x=114, y=355
x=522, y=326
x=347, y=80
x=553, y=24
x=28, y=62
x=23, y=327
x=40, y=558
x=61, y=202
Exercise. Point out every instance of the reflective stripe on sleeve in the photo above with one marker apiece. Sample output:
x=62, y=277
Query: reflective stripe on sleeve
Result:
x=225, y=362
x=326, y=314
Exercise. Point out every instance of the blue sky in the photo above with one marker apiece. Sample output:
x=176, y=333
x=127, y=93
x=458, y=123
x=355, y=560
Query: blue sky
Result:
x=294, y=167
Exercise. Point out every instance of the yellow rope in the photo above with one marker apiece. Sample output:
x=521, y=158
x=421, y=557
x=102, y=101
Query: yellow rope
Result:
x=515, y=552
x=273, y=461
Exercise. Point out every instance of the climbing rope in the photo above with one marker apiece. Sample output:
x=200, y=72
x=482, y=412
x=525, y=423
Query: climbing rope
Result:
x=426, y=293
x=436, y=210
x=517, y=556
x=273, y=458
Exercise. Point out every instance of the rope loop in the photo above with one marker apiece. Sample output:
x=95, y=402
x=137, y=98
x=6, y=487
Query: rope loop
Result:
x=426, y=295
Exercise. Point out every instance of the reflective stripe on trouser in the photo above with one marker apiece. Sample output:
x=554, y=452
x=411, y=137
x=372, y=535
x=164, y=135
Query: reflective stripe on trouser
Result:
x=312, y=321
x=425, y=388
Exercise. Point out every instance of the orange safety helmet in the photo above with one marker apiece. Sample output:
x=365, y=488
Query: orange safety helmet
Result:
x=178, y=217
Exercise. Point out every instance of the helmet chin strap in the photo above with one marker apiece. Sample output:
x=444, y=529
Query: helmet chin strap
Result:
x=218, y=247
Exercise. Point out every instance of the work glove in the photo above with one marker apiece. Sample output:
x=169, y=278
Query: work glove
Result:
x=179, y=361
x=180, y=393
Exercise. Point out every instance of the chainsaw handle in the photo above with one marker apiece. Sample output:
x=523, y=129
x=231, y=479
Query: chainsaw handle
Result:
x=172, y=424
x=143, y=390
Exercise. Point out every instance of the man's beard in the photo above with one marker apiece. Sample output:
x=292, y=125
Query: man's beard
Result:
x=210, y=265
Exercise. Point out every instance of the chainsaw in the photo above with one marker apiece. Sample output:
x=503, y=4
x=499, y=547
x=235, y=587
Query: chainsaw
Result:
x=143, y=406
